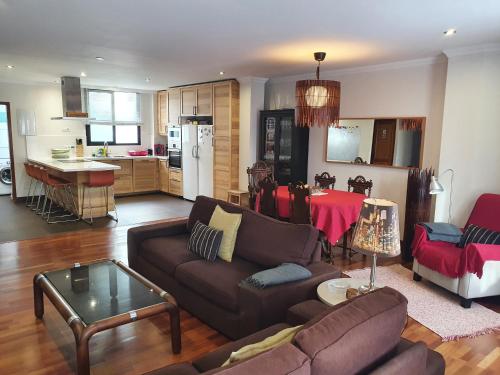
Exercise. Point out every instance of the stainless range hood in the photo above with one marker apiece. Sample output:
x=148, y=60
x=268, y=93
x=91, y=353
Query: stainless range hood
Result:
x=71, y=100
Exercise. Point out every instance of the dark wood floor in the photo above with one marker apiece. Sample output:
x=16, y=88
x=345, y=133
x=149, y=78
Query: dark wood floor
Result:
x=47, y=347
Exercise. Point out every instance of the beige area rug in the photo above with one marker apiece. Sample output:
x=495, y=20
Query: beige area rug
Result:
x=435, y=307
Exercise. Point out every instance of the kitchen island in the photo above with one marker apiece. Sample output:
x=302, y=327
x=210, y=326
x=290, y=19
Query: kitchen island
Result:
x=77, y=172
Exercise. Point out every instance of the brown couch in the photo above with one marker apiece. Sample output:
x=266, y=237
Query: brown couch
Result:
x=361, y=336
x=213, y=291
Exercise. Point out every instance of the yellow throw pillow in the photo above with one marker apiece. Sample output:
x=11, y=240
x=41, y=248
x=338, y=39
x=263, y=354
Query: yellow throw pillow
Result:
x=229, y=224
x=280, y=338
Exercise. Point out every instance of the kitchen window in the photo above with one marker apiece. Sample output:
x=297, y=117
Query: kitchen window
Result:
x=116, y=118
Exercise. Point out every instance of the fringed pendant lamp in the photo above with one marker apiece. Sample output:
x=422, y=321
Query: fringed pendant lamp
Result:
x=317, y=101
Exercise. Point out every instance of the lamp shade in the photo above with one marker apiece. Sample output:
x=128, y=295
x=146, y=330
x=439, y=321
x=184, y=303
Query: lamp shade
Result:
x=317, y=103
x=377, y=229
x=435, y=186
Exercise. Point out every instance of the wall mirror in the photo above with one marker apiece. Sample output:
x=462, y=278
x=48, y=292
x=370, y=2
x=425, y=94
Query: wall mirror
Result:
x=387, y=141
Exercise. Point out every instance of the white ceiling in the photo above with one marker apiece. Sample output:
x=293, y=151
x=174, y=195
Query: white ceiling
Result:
x=184, y=41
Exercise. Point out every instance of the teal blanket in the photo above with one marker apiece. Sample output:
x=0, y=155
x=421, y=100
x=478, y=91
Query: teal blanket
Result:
x=284, y=273
x=442, y=232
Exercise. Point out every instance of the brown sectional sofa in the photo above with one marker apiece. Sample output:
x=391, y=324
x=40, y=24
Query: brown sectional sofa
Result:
x=213, y=291
x=360, y=336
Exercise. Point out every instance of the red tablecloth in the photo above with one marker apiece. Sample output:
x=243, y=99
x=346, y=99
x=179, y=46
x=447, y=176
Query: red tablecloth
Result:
x=333, y=213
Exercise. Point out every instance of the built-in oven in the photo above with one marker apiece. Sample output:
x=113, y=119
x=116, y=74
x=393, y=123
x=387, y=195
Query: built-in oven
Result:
x=175, y=158
x=174, y=133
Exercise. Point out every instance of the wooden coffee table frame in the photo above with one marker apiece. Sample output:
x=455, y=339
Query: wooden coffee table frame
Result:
x=83, y=332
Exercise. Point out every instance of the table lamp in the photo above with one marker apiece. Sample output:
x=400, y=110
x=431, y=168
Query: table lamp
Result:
x=377, y=233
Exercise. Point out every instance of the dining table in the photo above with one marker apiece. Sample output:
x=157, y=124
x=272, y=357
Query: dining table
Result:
x=332, y=211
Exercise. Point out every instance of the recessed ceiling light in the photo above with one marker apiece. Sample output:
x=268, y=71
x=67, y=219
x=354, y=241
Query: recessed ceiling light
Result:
x=148, y=79
x=10, y=66
x=98, y=58
x=83, y=74
x=221, y=73
x=450, y=32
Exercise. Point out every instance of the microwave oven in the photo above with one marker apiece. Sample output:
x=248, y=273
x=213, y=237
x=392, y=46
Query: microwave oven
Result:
x=174, y=133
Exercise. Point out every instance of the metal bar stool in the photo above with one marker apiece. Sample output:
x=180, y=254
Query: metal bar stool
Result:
x=58, y=191
x=104, y=180
x=37, y=174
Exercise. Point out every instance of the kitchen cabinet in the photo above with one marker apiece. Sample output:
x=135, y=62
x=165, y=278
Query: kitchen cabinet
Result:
x=204, y=100
x=162, y=112
x=175, y=181
x=163, y=174
x=188, y=101
x=226, y=137
x=123, y=177
x=173, y=106
x=145, y=175
x=196, y=100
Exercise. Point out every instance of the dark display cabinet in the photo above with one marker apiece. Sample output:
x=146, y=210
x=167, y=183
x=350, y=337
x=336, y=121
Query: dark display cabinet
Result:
x=284, y=145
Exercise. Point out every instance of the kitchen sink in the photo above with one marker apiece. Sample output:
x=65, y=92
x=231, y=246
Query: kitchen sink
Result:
x=73, y=161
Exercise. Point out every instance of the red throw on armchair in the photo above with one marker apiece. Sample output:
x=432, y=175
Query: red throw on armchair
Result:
x=471, y=272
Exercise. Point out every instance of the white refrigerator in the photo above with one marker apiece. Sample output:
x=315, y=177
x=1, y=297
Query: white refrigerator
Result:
x=197, y=161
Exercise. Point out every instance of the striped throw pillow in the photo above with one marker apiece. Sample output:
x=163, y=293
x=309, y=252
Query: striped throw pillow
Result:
x=475, y=234
x=205, y=241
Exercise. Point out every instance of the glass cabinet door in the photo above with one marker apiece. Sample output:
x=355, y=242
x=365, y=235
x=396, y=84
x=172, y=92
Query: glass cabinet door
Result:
x=284, y=159
x=269, y=140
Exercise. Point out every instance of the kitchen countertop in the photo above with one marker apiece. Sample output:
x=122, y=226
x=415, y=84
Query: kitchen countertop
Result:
x=74, y=165
x=88, y=163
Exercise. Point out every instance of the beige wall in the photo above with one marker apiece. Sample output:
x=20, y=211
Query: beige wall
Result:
x=45, y=101
x=471, y=132
x=395, y=90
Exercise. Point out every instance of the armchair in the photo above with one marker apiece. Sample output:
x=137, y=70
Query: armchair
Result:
x=471, y=272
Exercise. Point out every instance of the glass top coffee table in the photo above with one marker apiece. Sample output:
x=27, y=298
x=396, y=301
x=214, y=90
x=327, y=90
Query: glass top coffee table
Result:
x=103, y=295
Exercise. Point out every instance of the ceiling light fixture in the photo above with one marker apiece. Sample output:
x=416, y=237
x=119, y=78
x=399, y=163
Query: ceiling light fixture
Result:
x=317, y=101
x=148, y=79
x=98, y=58
x=10, y=66
x=83, y=74
x=450, y=32
x=221, y=73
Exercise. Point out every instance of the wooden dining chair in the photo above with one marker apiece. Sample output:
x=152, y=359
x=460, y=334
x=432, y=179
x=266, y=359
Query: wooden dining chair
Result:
x=268, y=200
x=360, y=185
x=258, y=172
x=324, y=180
x=300, y=212
x=300, y=203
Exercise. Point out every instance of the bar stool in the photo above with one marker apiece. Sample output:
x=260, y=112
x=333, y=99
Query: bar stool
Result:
x=58, y=191
x=104, y=180
x=36, y=173
x=33, y=184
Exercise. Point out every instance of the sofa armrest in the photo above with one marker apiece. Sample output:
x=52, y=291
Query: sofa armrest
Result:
x=269, y=306
x=412, y=361
x=137, y=235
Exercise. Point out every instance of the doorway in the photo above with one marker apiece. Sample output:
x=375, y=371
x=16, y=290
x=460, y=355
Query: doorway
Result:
x=7, y=175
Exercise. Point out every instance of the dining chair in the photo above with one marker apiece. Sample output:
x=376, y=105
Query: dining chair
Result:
x=300, y=212
x=325, y=181
x=300, y=203
x=258, y=172
x=267, y=200
x=360, y=185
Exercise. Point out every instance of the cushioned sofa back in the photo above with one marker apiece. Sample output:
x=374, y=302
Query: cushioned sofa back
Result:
x=261, y=239
x=485, y=212
x=349, y=339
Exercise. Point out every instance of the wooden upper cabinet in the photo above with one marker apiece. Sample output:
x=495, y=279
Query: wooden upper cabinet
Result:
x=196, y=100
x=222, y=109
x=162, y=112
x=174, y=106
x=188, y=101
x=204, y=100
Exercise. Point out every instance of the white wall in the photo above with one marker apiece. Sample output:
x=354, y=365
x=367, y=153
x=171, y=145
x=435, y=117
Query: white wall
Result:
x=45, y=101
x=394, y=90
x=252, y=91
x=471, y=132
